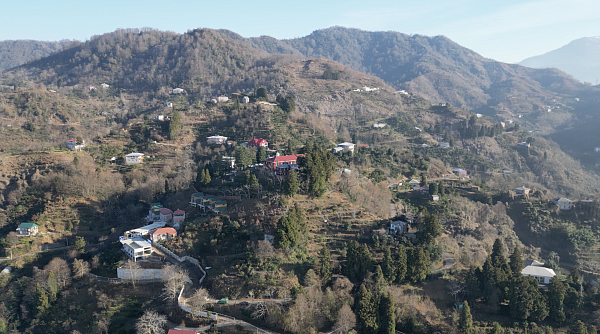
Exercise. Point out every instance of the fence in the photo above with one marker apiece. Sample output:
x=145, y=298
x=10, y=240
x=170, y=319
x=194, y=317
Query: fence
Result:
x=122, y=280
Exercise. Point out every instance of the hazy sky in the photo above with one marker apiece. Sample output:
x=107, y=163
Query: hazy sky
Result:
x=508, y=30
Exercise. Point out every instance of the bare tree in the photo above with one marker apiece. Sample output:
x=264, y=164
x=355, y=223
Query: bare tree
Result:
x=263, y=249
x=176, y=278
x=346, y=320
x=456, y=288
x=80, y=268
x=198, y=300
x=61, y=271
x=133, y=267
x=151, y=322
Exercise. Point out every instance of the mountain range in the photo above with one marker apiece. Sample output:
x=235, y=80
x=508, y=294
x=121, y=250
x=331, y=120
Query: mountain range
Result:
x=580, y=58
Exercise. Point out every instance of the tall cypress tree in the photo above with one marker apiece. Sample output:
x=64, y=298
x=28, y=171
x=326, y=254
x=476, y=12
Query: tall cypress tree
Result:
x=325, y=270
x=366, y=311
x=261, y=154
x=418, y=264
x=516, y=262
x=291, y=184
x=465, y=322
x=556, y=297
x=174, y=124
x=388, y=265
x=401, y=263
x=387, y=315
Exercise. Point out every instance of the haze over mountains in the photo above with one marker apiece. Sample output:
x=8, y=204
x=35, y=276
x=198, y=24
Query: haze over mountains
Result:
x=580, y=58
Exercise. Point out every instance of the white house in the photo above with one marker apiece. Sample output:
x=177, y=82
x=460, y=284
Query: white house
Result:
x=178, y=91
x=379, y=125
x=414, y=182
x=445, y=144
x=398, y=226
x=160, y=117
x=73, y=145
x=522, y=191
x=563, y=203
x=478, y=115
x=222, y=98
x=134, y=158
x=526, y=144
x=245, y=99
x=346, y=146
x=90, y=87
x=435, y=198
x=229, y=162
x=506, y=171
x=424, y=145
x=136, y=248
x=169, y=104
x=542, y=274
x=216, y=140
x=104, y=85
x=29, y=229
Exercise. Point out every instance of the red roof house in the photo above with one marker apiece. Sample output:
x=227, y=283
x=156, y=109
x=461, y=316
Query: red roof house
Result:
x=178, y=216
x=272, y=163
x=256, y=143
x=163, y=233
x=181, y=331
x=166, y=214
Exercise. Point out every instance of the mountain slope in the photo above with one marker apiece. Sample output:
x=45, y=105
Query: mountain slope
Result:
x=15, y=53
x=580, y=58
x=433, y=67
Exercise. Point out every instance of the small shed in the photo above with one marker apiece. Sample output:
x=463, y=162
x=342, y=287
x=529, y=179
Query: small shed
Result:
x=134, y=158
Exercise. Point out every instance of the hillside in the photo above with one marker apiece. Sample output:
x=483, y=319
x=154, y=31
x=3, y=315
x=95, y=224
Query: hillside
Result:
x=15, y=53
x=433, y=67
x=580, y=58
x=301, y=250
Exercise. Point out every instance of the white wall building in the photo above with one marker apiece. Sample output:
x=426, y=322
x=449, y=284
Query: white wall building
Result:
x=542, y=274
x=137, y=248
x=134, y=158
x=216, y=140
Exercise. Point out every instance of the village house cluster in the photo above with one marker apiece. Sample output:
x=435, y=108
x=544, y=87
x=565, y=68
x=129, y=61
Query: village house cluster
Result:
x=137, y=243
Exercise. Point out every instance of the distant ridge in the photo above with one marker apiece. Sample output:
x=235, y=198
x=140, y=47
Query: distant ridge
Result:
x=580, y=58
x=18, y=52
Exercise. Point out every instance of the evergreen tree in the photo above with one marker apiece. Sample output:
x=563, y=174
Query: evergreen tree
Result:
x=380, y=280
x=423, y=180
x=358, y=261
x=174, y=124
x=496, y=329
x=261, y=93
x=578, y=328
x=388, y=265
x=418, y=265
x=261, y=154
x=592, y=329
x=243, y=157
x=516, y=262
x=433, y=188
x=290, y=228
x=325, y=269
x=291, y=184
x=80, y=244
x=556, y=297
x=206, y=179
x=431, y=228
x=43, y=304
x=387, y=315
x=526, y=302
x=465, y=322
x=401, y=263
x=366, y=311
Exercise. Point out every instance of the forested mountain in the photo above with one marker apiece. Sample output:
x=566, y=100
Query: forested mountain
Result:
x=18, y=52
x=148, y=60
x=433, y=67
x=335, y=262
x=580, y=58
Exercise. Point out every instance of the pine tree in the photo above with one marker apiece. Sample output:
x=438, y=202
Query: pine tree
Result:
x=556, y=297
x=387, y=315
x=174, y=124
x=516, y=262
x=325, y=269
x=496, y=329
x=206, y=179
x=433, y=188
x=42, y=302
x=358, y=261
x=380, y=280
x=431, y=228
x=401, y=263
x=465, y=322
x=261, y=154
x=388, y=265
x=291, y=185
x=418, y=264
x=366, y=311
x=578, y=328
